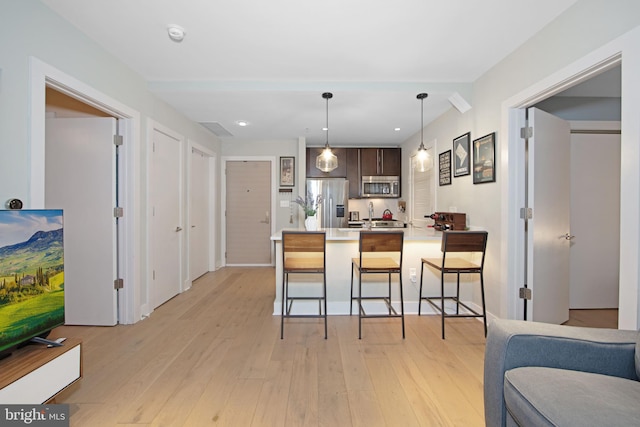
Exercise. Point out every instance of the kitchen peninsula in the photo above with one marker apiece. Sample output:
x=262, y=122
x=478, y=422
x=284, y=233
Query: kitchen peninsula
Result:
x=342, y=246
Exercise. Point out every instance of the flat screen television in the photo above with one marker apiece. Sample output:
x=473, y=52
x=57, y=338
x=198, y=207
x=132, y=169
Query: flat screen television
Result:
x=31, y=275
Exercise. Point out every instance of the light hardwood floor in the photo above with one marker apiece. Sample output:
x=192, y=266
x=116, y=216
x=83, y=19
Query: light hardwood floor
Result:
x=212, y=356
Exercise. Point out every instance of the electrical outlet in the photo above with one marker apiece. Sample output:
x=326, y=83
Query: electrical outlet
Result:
x=412, y=275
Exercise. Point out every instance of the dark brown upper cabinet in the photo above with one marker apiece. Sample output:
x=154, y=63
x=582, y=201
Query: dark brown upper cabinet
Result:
x=380, y=161
x=353, y=172
x=353, y=163
x=314, y=172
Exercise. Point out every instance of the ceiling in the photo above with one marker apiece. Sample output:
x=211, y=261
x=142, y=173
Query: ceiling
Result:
x=268, y=63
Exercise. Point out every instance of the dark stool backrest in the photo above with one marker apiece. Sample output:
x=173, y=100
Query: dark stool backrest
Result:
x=464, y=241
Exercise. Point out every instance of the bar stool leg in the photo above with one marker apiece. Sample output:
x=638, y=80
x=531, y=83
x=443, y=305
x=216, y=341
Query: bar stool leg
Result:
x=351, y=295
x=324, y=297
x=484, y=309
x=442, y=300
x=458, y=294
x=420, y=293
x=359, y=305
x=401, y=303
x=389, y=294
x=284, y=275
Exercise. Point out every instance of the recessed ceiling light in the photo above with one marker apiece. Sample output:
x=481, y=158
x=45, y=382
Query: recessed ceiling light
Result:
x=176, y=33
x=242, y=123
x=397, y=129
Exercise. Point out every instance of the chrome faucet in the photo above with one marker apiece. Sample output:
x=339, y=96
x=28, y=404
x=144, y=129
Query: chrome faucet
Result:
x=370, y=214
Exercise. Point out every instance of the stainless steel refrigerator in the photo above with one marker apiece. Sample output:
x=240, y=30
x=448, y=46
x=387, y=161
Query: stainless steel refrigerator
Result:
x=332, y=212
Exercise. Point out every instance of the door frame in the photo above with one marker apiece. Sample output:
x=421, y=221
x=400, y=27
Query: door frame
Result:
x=43, y=75
x=153, y=126
x=223, y=199
x=211, y=204
x=512, y=162
x=515, y=109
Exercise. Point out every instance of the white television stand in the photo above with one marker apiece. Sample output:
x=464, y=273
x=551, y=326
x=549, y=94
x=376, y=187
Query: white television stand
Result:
x=35, y=374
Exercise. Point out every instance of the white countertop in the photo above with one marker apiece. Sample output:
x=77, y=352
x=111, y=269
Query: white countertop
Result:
x=411, y=233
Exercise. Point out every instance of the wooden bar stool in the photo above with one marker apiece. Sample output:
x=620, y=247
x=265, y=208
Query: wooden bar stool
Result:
x=457, y=242
x=303, y=252
x=380, y=253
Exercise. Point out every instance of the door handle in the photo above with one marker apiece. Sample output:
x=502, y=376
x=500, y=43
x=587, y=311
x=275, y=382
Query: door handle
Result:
x=568, y=236
x=178, y=229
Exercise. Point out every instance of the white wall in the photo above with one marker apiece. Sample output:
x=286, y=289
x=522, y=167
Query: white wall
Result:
x=570, y=38
x=31, y=30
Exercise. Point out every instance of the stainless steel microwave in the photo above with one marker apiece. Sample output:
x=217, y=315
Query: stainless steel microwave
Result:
x=380, y=186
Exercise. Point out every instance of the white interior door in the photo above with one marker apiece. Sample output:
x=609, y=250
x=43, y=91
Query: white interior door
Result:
x=166, y=223
x=80, y=178
x=199, y=215
x=595, y=220
x=549, y=229
x=248, y=212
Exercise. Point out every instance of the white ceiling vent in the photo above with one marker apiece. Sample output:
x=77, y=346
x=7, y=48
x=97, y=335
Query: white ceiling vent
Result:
x=217, y=129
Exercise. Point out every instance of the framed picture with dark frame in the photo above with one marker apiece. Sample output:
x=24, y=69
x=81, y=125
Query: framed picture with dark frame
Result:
x=484, y=159
x=462, y=155
x=287, y=171
x=445, y=168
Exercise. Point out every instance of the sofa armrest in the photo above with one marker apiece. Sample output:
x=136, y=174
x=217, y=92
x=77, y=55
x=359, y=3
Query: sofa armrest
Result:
x=514, y=343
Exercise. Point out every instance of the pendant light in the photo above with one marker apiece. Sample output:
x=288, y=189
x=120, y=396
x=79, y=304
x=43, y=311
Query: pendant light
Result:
x=327, y=161
x=423, y=160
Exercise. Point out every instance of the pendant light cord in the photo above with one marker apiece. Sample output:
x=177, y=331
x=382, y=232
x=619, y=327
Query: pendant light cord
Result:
x=327, y=135
x=421, y=97
x=327, y=96
x=421, y=122
x=326, y=160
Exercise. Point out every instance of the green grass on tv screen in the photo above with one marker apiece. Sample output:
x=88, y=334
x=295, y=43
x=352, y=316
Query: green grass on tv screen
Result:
x=31, y=316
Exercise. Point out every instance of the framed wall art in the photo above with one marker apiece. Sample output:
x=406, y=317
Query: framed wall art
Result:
x=462, y=155
x=445, y=168
x=287, y=171
x=484, y=159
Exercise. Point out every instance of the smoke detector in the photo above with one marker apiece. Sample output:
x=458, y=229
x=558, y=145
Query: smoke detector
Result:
x=176, y=33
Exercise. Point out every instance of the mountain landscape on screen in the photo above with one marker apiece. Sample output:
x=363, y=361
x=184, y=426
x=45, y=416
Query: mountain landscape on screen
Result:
x=31, y=275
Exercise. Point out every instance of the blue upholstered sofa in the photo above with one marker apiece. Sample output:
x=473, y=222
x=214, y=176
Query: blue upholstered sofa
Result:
x=537, y=374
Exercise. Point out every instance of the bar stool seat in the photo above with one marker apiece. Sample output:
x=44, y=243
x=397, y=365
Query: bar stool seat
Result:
x=294, y=265
x=371, y=261
x=375, y=264
x=456, y=242
x=303, y=252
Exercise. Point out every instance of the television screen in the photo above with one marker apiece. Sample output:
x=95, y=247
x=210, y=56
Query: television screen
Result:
x=31, y=275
